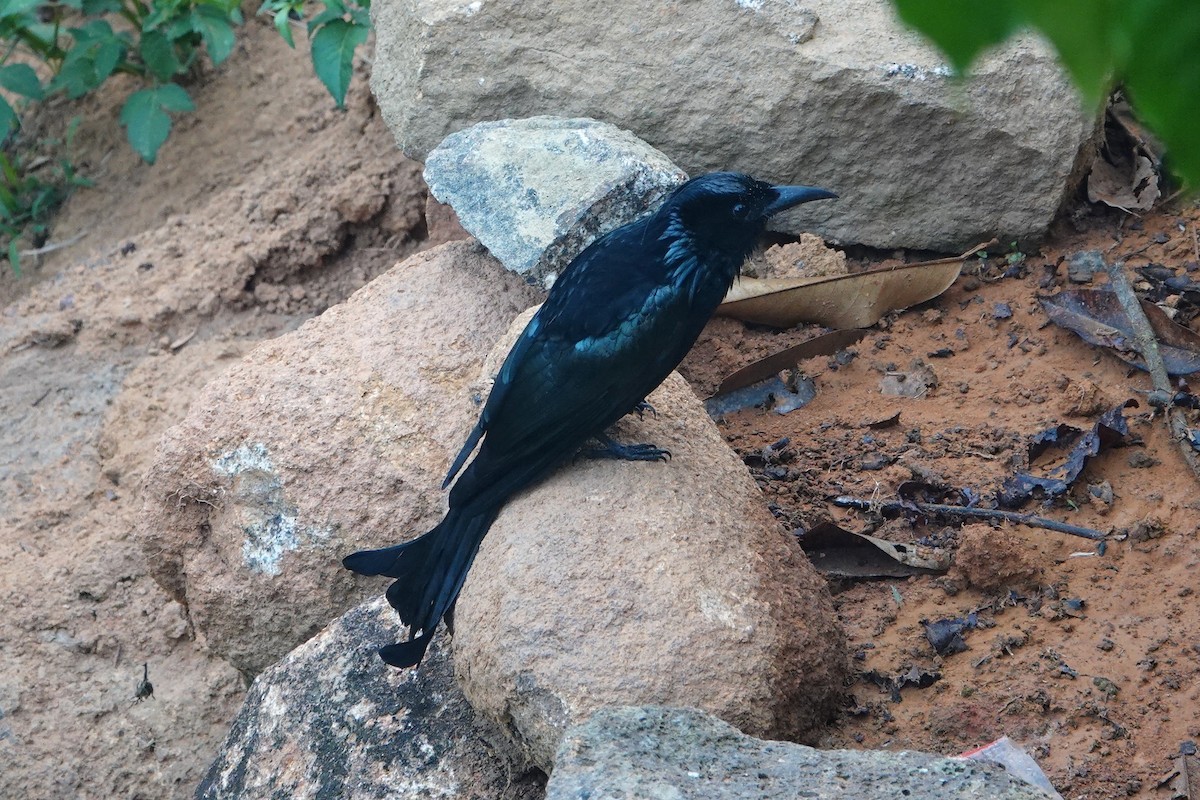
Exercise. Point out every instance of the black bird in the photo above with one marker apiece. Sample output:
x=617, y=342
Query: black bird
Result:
x=616, y=322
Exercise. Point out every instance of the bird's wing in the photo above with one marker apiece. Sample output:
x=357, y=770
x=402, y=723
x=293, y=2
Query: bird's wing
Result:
x=604, y=288
x=495, y=398
x=563, y=389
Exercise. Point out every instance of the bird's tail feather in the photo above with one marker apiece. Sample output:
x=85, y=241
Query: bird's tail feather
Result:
x=429, y=571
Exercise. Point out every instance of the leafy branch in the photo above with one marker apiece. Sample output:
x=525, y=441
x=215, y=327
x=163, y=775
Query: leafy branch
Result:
x=1151, y=47
x=80, y=44
x=334, y=35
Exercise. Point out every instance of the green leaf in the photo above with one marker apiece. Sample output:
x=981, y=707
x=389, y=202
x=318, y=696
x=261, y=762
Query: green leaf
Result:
x=158, y=54
x=108, y=55
x=93, y=8
x=213, y=26
x=145, y=117
x=1082, y=32
x=13, y=8
x=325, y=17
x=162, y=11
x=284, y=26
x=174, y=97
x=22, y=80
x=8, y=119
x=14, y=256
x=76, y=77
x=1163, y=77
x=1151, y=47
x=961, y=30
x=333, y=56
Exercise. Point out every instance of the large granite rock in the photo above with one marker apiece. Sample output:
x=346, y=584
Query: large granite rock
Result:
x=537, y=191
x=329, y=439
x=628, y=583
x=683, y=753
x=832, y=92
x=332, y=720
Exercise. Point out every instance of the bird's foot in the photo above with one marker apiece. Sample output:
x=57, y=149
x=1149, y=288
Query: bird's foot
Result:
x=641, y=408
x=628, y=452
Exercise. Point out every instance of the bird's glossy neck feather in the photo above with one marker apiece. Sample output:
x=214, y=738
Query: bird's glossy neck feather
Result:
x=699, y=278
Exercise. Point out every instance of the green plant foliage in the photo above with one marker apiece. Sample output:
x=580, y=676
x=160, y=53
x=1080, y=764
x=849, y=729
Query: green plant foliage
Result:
x=30, y=191
x=146, y=120
x=1151, y=47
x=334, y=35
x=84, y=42
x=333, y=55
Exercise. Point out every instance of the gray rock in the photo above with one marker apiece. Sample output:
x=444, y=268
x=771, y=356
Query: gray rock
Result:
x=332, y=720
x=1083, y=265
x=684, y=753
x=332, y=438
x=537, y=191
x=632, y=583
x=834, y=93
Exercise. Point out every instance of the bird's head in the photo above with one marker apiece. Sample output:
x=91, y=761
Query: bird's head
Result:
x=726, y=212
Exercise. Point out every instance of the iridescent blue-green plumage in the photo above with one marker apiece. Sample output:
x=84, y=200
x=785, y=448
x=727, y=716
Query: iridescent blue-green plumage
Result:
x=617, y=321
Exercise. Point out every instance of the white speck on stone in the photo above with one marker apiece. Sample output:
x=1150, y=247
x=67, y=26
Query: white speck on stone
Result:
x=471, y=9
x=270, y=525
x=425, y=747
x=914, y=73
x=244, y=458
x=273, y=705
x=265, y=544
x=752, y=5
x=717, y=609
x=362, y=709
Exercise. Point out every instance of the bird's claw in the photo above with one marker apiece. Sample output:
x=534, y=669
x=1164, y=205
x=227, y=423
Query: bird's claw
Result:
x=641, y=408
x=629, y=452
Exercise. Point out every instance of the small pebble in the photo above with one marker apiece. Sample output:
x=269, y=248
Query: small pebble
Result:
x=1140, y=459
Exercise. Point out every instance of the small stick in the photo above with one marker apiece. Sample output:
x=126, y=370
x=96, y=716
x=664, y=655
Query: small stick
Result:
x=1195, y=242
x=1147, y=345
x=964, y=512
x=50, y=248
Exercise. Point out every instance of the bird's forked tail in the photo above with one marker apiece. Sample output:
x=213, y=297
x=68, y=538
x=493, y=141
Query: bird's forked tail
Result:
x=429, y=572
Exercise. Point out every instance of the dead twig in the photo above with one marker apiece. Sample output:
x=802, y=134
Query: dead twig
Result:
x=965, y=512
x=50, y=248
x=1146, y=344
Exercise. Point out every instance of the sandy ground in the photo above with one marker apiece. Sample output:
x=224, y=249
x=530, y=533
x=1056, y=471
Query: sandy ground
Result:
x=1103, y=691
x=268, y=206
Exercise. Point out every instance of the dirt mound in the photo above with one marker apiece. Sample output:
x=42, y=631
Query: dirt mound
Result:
x=266, y=206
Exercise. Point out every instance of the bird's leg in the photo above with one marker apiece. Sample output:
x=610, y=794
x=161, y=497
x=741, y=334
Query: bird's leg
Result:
x=642, y=407
x=626, y=452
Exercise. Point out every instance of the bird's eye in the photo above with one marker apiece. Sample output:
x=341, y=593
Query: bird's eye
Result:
x=740, y=209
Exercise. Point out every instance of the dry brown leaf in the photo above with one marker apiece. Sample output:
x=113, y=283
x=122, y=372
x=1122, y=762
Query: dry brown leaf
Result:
x=1129, y=187
x=1184, y=779
x=842, y=301
x=1125, y=173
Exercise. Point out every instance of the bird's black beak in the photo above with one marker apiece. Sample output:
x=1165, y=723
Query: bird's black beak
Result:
x=789, y=196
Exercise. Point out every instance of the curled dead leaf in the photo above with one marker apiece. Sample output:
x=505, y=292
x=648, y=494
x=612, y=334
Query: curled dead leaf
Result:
x=1125, y=173
x=837, y=551
x=1130, y=186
